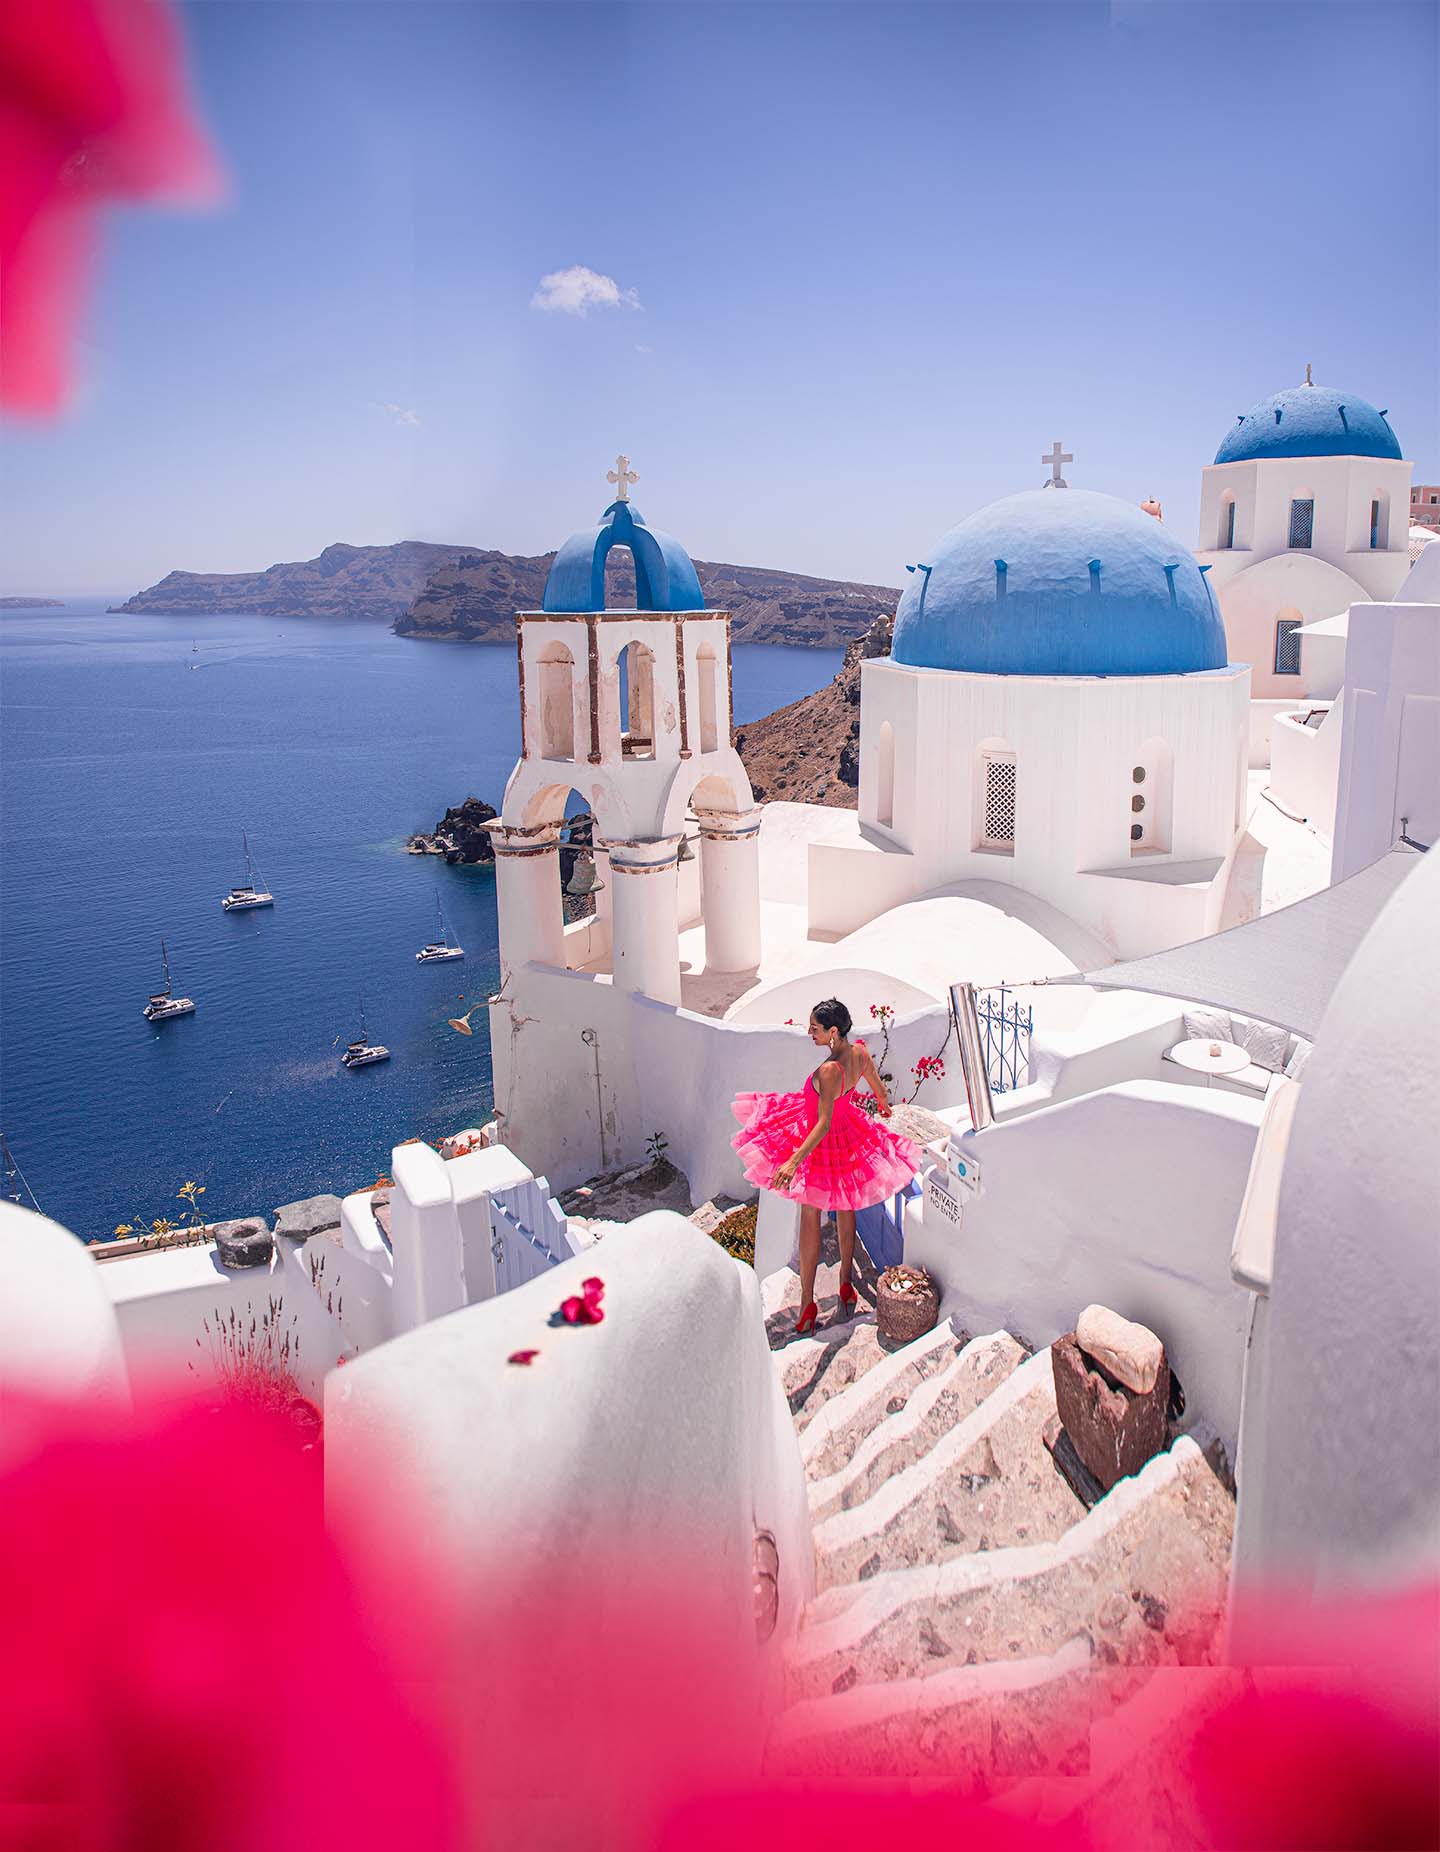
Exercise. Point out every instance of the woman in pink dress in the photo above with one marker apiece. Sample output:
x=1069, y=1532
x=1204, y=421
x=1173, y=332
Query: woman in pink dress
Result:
x=823, y=1150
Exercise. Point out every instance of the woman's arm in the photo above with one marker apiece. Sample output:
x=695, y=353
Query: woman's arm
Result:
x=831, y=1081
x=877, y=1086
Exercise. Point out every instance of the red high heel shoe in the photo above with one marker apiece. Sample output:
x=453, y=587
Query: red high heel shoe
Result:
x=806, y=1321
x=849, y=1299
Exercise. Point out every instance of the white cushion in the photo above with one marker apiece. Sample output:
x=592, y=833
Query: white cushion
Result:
x=1295, y=1066
x=1265, y=1043
x=1206, y=1025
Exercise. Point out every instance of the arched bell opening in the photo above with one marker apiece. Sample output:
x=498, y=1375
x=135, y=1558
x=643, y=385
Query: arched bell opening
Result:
x=637, y=701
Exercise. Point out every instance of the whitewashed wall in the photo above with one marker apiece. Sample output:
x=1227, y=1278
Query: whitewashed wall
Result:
x=658, y=1436
x=1305, y=767
x=662, y=1070
x=1390, y=745
x=1340, y=1458
x=1261, y=577
x=1076, y=740
x=1126, y=1197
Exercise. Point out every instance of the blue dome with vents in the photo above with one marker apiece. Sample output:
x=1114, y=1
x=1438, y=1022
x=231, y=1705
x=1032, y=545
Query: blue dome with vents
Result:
x=1059, y=582
x=1309, y=421
x=665, y=576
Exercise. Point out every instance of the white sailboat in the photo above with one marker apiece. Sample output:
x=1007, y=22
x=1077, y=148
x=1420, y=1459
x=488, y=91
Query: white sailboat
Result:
x=164, y=1003
x=253, y=893
x=363, y=1052
x=442, y=948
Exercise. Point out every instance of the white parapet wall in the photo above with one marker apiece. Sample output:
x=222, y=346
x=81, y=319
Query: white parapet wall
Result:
x=1305, y=764
x=610, y=1455
x=1126, y=1198
x=575, y=1108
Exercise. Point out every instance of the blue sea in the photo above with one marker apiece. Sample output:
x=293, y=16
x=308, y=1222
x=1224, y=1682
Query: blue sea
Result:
x=127, y=779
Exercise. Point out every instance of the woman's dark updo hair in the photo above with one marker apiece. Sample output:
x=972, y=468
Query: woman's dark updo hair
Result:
x=832, y=1014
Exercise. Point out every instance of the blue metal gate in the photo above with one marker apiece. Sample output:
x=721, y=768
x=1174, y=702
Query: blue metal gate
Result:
x=1005, y=1029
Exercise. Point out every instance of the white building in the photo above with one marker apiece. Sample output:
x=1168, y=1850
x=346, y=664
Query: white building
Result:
x=1057, y=714
x=1304, y=511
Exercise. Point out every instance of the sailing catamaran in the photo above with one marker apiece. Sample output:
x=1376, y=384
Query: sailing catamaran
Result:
x=163, y=1004
x=442, y=948
x=253, y=893
x=363, y=1052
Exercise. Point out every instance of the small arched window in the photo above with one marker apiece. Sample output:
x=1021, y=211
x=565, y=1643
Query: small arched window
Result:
x=885, y=776
x=1380, y=522
x=1226, y=537
x=557, y=702
x=709, y=691
x=1151, y=785
x=995, y=785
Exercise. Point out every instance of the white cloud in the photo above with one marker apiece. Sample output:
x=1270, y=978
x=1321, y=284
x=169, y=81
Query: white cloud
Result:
x=401, y=414
x=642, y=348
x=577, y=290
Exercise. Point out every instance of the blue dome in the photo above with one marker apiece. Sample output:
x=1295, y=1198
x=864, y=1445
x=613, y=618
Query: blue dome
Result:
x=1309, y=421
x=665, y=577
x=1060, y=582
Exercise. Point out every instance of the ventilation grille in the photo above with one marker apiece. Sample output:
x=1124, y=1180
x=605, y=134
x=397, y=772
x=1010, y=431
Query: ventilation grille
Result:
x=1000, y=801
x=1287, y=646
x=1302, y=523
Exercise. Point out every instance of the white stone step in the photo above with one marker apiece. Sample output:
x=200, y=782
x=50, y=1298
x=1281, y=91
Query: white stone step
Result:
x=1027, y=1717
x=831, y=1438
x=986, y=1484
x=1144, y=1574
x=898, y=1440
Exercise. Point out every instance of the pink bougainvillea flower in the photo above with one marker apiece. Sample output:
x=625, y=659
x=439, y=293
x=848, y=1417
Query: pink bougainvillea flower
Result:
x=584, y=1307
x=93, y=111
x=212, y=1677
x=522, y=1356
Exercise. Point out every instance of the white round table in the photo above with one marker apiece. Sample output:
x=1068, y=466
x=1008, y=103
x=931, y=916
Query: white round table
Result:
x=1196, y=1055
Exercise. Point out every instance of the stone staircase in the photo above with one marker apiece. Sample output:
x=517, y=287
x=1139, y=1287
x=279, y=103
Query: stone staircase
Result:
x=973, y=1622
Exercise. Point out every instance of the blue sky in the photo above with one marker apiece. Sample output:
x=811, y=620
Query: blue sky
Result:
x=869, y=259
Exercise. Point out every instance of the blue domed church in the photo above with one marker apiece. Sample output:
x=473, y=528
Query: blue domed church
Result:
x=1303, y=513
x=1058, y=715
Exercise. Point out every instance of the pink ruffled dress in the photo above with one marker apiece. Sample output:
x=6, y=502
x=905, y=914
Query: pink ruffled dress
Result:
x=858, y=1162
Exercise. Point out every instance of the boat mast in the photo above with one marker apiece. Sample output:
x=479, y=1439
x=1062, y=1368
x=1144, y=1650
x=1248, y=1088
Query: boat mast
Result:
x=15, y=1177
x=165, y=959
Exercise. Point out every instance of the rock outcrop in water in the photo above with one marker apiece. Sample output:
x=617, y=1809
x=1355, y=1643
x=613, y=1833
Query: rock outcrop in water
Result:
x=464, y=825
x=461, y=594
x=809, y=752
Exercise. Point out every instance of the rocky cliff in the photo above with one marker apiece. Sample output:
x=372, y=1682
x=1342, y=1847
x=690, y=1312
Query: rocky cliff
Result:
x=459, y=594
x=474, y=599
x=378, y=583
x=809, y=752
